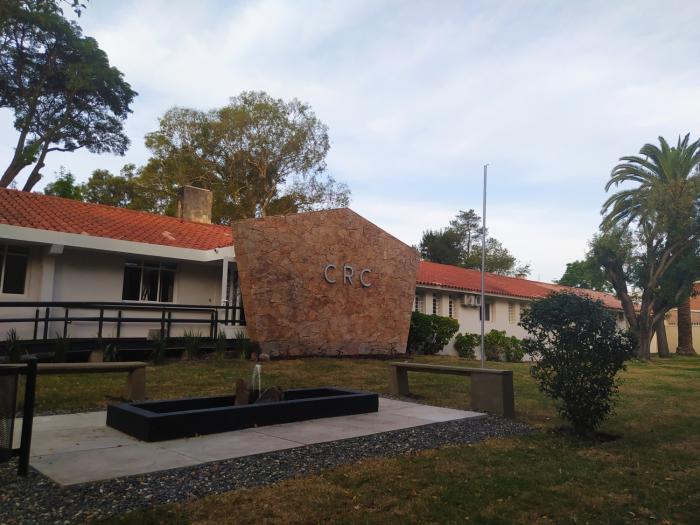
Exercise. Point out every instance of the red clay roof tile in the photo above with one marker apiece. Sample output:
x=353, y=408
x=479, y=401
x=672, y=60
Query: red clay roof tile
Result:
x=44, y=212
x=443, y=275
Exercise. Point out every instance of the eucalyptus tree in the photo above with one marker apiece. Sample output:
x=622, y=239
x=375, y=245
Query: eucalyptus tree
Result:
x=60, y=86
x=650, y=231
x=259, y=155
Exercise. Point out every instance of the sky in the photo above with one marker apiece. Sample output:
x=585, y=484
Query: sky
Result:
x=418, y=96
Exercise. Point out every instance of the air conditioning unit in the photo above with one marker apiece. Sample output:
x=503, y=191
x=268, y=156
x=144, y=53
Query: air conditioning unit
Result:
x=472, y=300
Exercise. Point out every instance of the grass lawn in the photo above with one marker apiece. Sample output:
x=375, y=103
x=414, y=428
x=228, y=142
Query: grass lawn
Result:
x=649, y=474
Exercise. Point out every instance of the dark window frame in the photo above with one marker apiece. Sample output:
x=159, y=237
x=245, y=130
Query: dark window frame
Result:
x=419, y=303
x=145, y=294
x=14, y=251
x=487, y=312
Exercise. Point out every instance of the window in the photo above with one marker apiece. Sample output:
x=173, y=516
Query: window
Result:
x=437, y=300
x=511, y=313
x=419, y=305
x=487, y=311
x=450, y=307
x=13, y=268
x=148, y=282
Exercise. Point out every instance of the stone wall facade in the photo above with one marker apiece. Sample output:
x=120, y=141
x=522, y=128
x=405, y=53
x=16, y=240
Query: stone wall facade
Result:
x=325, y=283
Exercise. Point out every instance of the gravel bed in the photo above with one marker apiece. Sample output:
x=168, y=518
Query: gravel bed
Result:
x=37, y=499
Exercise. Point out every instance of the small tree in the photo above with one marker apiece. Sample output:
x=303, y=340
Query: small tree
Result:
x=429, y=334
x=64, y=186
x=579, y=351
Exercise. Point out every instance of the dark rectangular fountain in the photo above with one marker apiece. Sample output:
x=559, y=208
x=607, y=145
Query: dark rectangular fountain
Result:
x=177, y=418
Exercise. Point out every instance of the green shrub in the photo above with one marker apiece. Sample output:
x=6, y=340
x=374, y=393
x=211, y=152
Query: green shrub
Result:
x=14, y=346
x=62, y=345
x=109, y=354
x=158, y=352
x=192, y=341
x=500, y=347
x=579, y=352
x=240, y=345
x=220, y=345
x=465, y=345
x=429, y=334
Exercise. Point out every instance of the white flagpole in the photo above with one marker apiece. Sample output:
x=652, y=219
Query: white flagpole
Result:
x=483, y=268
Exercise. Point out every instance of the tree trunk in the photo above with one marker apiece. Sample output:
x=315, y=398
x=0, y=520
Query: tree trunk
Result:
x=35, y=176
x=10, y=174
x=645, y=333
x=644, y=345
x=685, y=329
x=17, y=164
x=661, y=339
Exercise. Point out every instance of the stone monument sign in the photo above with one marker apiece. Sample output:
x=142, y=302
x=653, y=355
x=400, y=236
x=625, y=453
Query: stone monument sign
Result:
x=324, y=283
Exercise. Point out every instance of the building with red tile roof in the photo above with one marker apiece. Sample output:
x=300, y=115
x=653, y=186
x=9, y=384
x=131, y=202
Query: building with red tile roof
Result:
x=455, y=292
x=60, y=250
x=56, y=249
x=463, y=279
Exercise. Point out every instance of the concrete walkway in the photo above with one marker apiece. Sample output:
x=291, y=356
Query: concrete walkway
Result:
x=78, y=448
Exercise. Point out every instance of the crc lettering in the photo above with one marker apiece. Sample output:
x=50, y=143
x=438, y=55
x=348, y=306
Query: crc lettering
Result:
x=348, y=275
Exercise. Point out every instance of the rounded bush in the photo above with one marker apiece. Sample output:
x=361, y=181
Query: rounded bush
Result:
x=465, y=344
x=579, y=351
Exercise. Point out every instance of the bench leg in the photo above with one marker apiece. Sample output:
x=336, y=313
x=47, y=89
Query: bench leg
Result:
x=136, y=384
x=399, y=382
x=493, y=393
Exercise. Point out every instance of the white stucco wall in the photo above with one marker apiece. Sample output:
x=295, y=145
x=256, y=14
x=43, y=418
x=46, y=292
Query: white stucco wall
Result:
x=32, y=292
x=198, y=284
x=672, y=337
x=468, y=316
x=85, y=275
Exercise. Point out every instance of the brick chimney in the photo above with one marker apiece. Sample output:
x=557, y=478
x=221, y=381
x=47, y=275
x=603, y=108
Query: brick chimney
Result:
x=194, y=204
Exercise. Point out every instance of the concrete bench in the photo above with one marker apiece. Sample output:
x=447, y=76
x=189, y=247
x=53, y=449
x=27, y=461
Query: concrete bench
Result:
x=135, y=381
x=491, y=390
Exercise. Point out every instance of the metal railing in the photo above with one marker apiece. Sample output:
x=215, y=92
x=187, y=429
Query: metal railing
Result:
x=117, y=314
x=9, y=382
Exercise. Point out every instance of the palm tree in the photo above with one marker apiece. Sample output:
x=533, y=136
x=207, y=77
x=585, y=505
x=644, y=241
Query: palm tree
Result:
x=665, y=206
x=669, y=184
